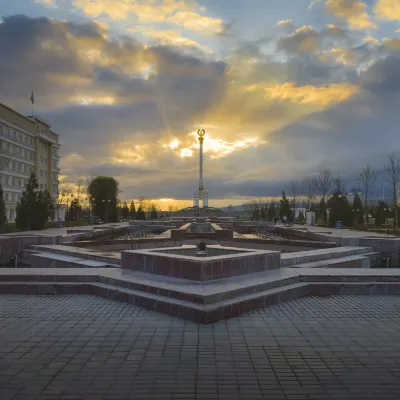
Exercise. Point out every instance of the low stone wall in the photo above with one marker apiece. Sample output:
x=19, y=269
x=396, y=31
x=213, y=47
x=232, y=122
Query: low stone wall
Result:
x=14, y=245
x=200, y=269
x=286, y=246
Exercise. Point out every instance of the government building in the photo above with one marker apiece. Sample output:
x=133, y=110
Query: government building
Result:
x=27, y=144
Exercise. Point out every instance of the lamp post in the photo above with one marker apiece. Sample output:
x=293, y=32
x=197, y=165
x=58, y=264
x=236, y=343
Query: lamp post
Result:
x=89, y=200
x=67, y=216
x=107, y=203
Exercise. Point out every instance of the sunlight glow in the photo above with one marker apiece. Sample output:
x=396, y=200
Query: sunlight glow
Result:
x=88, y=100
x=216, y=148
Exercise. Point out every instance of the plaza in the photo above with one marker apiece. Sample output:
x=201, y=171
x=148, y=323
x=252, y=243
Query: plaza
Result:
x=83, y=347
x=199, y=308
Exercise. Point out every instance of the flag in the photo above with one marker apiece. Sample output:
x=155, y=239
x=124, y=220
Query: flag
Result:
x=32, y=98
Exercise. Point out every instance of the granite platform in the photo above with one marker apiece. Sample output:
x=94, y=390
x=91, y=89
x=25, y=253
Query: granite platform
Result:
x=204, y=302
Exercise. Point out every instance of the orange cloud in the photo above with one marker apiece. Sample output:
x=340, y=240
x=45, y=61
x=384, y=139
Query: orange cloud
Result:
x=354, y=12
x=198, y=23
x=392, y=43
x=170, y=37
x=388, y=9
x=179, y=12
x=319, y=96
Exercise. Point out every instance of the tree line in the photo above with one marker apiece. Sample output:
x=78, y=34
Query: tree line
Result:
x=326, y=195
x=87, y=198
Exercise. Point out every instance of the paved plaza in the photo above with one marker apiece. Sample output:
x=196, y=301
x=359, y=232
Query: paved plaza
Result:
x=83, y=347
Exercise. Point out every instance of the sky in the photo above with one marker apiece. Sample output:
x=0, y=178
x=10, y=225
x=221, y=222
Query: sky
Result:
x=281, y=87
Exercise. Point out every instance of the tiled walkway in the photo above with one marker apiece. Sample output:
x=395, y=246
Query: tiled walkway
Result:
x=82, y=347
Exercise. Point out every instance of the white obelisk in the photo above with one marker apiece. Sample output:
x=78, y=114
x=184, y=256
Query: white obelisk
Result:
x=200, y=195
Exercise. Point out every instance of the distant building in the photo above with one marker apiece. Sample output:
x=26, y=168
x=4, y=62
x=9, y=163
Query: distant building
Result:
x=27, y=144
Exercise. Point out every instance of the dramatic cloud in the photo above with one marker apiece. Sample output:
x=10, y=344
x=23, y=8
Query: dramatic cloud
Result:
x=354, y=12
x=128, y=91
x=304, y=40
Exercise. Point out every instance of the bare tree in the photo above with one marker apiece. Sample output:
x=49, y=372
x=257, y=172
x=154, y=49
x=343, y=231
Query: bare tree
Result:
x=294, y=193
x=392, y=178
x=324, y=182
x=310, y=185
x=80, y=191
x=367, y=185
x=324, y=185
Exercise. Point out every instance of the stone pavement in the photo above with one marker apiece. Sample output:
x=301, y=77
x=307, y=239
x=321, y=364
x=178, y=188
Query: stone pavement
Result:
x=83, y=347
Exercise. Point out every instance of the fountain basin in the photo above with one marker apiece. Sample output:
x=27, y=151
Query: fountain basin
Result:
x=181, y=262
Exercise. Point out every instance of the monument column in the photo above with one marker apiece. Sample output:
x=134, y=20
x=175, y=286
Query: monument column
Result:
x=200, y=195
x=200, y=136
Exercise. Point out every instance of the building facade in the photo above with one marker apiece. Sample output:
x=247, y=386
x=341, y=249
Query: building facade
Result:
x=27, y=144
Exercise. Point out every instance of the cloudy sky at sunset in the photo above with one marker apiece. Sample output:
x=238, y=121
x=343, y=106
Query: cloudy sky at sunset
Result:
x=280, y=86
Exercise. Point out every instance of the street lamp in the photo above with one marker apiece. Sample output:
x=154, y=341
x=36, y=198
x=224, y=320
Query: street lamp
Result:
x=68, y=195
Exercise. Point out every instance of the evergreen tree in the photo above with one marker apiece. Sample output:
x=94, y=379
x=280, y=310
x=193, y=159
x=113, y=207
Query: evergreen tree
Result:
x=153, y=212
x=263, y=213
x=382, y=213
x=132, y=210
x=321, y=212
x=74, y=210
x=34, y=208
x=358, y=210
x=271, y=214
x=340, y=209
x=140, y=214
x=284, y=209
x=3, y=216
x=301, y=217
x=103, y=191
x=125, y=211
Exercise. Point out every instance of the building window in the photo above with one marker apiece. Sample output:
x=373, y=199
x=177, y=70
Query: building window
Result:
x=41, y=172
x=19, y=183
x=6, y=196
x=13, y=197
x=20, y=137
x=19, y=167
x=45, y=160
x=45, y=174
x=13, y=165
x=9, y=132
x=41, y=186
x=12, y=181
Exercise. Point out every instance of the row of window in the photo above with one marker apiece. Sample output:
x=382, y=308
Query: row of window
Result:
x=17, y=150
x=16, y=135
x=14, y=197
x=43, y=160
x=13, y=181
x=15, y=166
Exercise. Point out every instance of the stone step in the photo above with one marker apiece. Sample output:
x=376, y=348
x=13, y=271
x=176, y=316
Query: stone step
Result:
x=358, y=261
x=290, y=259
x=190, y=310
x=113, y=258
x=212, y=292
x=53, y=260
x=171, y=306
